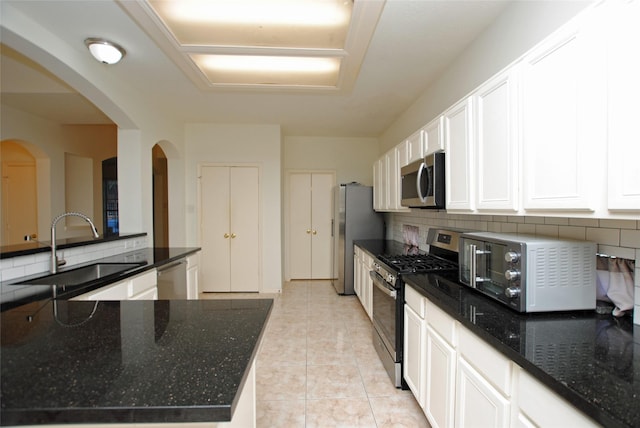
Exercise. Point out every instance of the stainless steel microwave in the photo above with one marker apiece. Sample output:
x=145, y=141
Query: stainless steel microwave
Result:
x=422, y=182
x=530, y=273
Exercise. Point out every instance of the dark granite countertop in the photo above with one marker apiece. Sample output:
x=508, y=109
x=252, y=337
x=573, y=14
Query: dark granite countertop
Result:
x=589, y=359
x=127, y=362
x=12, y=295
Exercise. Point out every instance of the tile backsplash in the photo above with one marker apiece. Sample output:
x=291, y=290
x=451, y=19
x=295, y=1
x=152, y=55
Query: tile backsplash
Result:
x=32, y=264
x=618, y=238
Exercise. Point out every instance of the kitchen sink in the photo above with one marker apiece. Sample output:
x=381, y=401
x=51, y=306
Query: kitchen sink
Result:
x=82, y=275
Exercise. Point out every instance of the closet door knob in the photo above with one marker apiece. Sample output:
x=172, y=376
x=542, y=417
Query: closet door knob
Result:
x=308, y=231
x=233, y=235
x=226, y=235
x=315, y=232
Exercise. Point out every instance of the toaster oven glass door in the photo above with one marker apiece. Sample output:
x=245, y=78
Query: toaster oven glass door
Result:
x=483, y=267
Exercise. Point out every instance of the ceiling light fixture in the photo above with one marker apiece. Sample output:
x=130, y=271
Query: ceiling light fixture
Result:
x=105, y=51
x=256, y=63
x=280, y=12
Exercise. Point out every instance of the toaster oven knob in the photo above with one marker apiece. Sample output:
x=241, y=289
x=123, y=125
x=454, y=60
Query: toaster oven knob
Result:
x=512, y=292
x=512, y=275
x=511, y=256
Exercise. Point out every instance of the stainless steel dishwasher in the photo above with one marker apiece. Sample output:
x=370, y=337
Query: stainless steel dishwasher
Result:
x=172, y=281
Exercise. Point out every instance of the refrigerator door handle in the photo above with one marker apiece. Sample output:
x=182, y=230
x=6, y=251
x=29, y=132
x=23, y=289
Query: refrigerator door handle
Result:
x=332, y=226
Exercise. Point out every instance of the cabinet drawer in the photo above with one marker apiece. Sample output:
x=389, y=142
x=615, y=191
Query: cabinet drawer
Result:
x=493, y=365
x=143, y=282
x=442, y=323
x=544, y=407
x=415, y=301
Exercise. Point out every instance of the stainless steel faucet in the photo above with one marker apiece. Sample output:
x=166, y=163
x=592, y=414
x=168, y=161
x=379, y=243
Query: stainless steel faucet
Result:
x=54, y=256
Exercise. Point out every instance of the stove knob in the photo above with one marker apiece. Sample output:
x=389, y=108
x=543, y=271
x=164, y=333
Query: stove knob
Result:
x=512, y=275
x=512, y=292
x=511, y=256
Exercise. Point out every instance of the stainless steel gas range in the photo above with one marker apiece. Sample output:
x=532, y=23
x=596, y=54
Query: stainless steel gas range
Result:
x=388, y=292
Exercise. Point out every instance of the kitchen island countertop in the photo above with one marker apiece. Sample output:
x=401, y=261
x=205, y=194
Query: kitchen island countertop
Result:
x=129, y=361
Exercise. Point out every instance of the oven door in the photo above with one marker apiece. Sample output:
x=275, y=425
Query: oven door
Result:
x=384, y=313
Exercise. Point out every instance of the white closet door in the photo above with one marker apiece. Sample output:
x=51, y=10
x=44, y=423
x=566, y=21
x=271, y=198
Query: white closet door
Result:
x=244, y=230
x=300, y=225
x=214, y=229
x=321, y=215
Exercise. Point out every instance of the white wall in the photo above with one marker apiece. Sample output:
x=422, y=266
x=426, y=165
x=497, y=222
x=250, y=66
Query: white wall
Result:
x=49, y=142
x=351, y=158
x=226, y=143
x=140, y=124
x=517, y=29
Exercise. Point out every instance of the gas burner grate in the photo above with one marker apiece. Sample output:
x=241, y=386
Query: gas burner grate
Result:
x=418, y=263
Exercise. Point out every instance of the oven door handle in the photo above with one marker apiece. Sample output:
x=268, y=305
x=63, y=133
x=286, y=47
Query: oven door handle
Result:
x=382, y=286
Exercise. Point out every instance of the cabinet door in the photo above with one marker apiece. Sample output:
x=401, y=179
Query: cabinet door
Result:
x=214, y=228
x=367, y=284
x=392, y=183
x=440, y=380
x=624, y=95
x=192, y=277
x=434, y=137
x=416, y=147
x=564, y=103
x=497, y=145
x=244, y=229
x=378, y=185
x=458, y=137
x=321, y=233
x=478, y=403
x=414, y=364
x=357, y=272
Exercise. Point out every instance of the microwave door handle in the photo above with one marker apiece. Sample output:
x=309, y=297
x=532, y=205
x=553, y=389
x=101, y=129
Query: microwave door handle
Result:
x=423, y=198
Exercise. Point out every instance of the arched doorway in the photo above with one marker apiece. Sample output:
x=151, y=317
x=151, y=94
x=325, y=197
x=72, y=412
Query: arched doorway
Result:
x=19, y=194
x=160, y=197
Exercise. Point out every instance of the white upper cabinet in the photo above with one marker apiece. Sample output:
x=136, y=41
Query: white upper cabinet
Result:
x=564, y=111
x=416, y=147
x=623, y=80
x=433, y=135
x=553, y=134
x=497, y=143
x=386, y=179
x=459, y=165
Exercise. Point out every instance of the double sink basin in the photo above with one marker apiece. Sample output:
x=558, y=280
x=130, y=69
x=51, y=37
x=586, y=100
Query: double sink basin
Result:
x=82, y=275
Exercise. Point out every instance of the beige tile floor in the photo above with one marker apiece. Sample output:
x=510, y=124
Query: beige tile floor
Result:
x=317, y=367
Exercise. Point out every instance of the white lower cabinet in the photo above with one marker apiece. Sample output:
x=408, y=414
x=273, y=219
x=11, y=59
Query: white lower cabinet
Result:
x=192, y=276
x=461, y=381
x=478, y=403
x=415, y=340
x=362, y=282
x=441, y=359
x=139, y=287
x=541, y=407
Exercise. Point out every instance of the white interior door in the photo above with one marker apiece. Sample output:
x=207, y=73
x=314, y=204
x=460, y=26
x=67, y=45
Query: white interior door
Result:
x=214, y=229
x=300, y=225
x=244, y=228
x=321, y=231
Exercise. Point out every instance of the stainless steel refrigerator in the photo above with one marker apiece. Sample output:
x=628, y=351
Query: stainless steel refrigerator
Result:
x=354, y=219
